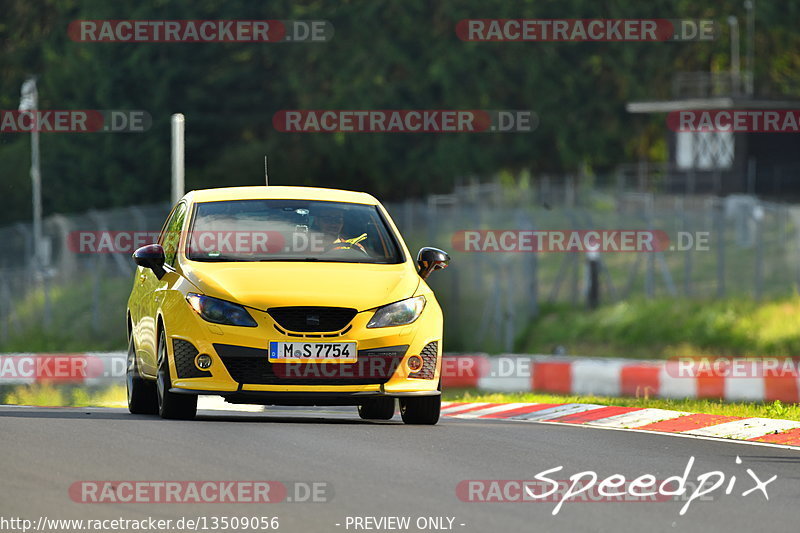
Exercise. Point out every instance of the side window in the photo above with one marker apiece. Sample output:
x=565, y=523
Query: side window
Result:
x=171, y=235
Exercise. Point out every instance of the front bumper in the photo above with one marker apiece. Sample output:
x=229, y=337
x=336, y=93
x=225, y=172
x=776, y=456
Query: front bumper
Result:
x=241, y=371
x=315, y=398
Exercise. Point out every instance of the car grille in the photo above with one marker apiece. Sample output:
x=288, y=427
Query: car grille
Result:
x=428, y=355
x=185, y=352
x=251, y=366
x=312, y=318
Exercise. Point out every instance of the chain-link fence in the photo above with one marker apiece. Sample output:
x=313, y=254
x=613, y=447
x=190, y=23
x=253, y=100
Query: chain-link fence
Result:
x=718, y=247
x=736, y=246
x=74, y=298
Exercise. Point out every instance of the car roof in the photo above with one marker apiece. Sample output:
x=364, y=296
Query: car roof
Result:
x=280, y=192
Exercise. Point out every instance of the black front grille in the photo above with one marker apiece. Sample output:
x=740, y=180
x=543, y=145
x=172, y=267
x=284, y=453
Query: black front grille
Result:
x=251, y=366
x=185, y=352
x=428, y=355
x=312, y=318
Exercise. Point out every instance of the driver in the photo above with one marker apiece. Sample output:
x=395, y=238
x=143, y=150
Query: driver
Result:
x=330, y=221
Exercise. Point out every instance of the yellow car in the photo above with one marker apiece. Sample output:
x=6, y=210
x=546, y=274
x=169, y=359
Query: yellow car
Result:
x=284, y=296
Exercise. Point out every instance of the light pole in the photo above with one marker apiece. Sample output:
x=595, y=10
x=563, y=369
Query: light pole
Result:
x=178, y=126
x=29, y=101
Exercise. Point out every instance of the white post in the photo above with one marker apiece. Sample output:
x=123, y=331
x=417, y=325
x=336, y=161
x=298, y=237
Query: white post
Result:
x=178, y=123
x=751, y=35
x=30, y=102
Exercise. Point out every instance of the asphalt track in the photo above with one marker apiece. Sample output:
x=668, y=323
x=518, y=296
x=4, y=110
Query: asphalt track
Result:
x=379, y=469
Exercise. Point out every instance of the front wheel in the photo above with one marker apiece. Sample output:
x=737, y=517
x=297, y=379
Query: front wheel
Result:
x=141, y=392
x=171, y=405
x=421, y=410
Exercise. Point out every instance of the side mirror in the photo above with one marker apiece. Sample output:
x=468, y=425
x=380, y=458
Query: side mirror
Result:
x=152, y=257
x=430, y=259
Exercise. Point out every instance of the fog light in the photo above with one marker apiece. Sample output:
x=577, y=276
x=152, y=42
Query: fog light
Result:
x=415, y=362
x=203, y=361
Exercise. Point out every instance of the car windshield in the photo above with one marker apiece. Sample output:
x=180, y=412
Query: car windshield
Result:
x=290, y=230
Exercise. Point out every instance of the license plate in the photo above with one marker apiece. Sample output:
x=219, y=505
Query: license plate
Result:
x=292, y=352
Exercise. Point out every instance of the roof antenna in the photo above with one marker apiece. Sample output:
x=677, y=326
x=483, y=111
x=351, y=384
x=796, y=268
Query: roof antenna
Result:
x=266, y=176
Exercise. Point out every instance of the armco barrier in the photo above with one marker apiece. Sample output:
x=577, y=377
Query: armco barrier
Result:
x=502, y=373
x=756, y=381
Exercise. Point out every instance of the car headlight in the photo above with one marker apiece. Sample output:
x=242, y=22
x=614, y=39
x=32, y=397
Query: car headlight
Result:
x=398, y=313
x=219, y=311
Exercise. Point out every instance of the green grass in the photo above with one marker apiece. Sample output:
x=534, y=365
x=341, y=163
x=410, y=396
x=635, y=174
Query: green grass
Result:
x=86, y=314
x=662, y=328
x=48, y=395
x=761, y=410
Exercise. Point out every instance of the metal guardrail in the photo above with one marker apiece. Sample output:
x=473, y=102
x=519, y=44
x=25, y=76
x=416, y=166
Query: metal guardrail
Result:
x=765, y=380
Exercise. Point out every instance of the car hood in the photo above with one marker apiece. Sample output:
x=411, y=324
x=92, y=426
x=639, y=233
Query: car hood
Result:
x=275, y=284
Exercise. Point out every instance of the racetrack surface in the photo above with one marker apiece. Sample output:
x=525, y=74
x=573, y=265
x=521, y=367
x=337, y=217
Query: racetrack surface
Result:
x=378, y=468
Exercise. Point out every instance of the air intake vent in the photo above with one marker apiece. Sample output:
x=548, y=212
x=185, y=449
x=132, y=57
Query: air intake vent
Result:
x=251, y=366
x=185, y=352
x=428, y=355
x=312, y=318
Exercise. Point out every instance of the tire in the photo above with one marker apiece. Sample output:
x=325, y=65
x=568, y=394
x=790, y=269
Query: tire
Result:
x=142, y=398
x=170, y=405
x=377, y=409
x=421, y=410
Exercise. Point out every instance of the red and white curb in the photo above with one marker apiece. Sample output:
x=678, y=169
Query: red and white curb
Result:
x=762, y=430
x=615, y=377
x=506, y=373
